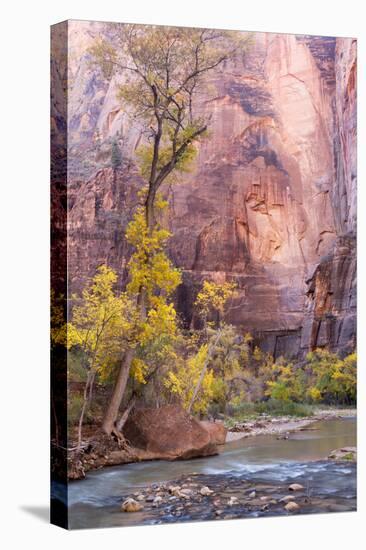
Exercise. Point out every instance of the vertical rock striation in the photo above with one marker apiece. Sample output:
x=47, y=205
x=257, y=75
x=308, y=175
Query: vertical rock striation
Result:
x=330, y=314
x=270, y=202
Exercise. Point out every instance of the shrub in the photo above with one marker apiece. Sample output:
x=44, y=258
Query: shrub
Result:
x=116, y=156
x=330, y=379
x=278, y=407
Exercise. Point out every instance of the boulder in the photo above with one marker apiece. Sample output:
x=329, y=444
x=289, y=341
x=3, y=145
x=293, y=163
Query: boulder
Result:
x=292, y=506
x=345, y=453
x=216, y=430
x=206, y=491
x=131, y=505
x=168, y=432
x=296, y=487
x=287, y=498
x=233, y=501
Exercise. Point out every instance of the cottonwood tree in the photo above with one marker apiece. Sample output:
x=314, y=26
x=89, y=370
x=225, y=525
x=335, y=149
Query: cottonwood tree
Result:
x=101, y=322
x=200, y=378
x=212, y=299
x=152, y=281
x=163, y=70
x=192, y=382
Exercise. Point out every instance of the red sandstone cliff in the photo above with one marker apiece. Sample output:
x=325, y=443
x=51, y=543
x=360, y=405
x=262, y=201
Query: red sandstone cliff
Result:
x=271, y=201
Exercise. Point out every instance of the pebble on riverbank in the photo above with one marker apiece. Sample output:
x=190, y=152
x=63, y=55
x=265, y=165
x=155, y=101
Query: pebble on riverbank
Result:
x=296, y=487
x=131, y=505
x=292, y=506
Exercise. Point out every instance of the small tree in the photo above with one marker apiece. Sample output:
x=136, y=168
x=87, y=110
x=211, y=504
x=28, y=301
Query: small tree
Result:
x=101, y=325
x=208, y=374
x=227, y=363
x=116, y=155
x=331, y=379
x=153, y=279
x=183, y=381
x=285, y=382
x=212, y=298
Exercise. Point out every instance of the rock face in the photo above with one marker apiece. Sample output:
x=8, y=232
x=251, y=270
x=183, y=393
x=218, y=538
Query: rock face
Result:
x=330, y=314
x=270, y=202
x=216, y=430
x=168, y=433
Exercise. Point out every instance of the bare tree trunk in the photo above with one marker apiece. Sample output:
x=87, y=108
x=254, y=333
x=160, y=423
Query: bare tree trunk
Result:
x=109, y=422
x=110, y=425
x=88, y=392
x=125, y=414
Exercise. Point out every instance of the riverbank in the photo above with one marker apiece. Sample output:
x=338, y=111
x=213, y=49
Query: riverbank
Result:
x=264, y=464
x=283, y=425
x=100, y=451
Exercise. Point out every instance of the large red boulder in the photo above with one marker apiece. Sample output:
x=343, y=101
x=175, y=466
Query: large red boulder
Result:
x=216, y=430
x=168, y=433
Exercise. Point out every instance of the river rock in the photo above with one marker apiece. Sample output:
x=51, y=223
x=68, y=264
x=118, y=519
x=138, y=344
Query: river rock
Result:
x=186, y=493
x=296, y=487
x=168, y=433
x=131, y=505
x=206, y=491
x=287, y=498
x=252, y=494
x=292, y=506
x=345, y=453
x=216, y=430
x=174, y=490
x=233, y=501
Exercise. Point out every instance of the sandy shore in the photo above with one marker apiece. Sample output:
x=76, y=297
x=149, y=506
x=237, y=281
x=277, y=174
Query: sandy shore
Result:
x=281, y=425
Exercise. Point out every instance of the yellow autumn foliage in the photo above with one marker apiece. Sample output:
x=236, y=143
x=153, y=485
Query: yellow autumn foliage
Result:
x=138, y=370
x=149, y=267
x=183, y=380
x=102, y=321
x=214, y=296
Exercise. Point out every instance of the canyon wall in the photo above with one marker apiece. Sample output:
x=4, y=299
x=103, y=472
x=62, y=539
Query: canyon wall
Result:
x=269, y=203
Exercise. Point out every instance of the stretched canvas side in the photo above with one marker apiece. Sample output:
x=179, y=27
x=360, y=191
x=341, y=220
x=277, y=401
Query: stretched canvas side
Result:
x=59, y=439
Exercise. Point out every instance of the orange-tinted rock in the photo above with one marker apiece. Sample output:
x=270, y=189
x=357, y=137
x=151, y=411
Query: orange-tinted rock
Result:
x=216, y=430
x=168, y=433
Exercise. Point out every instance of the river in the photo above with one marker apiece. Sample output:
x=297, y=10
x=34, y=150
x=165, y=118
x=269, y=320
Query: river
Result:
x=95, y=501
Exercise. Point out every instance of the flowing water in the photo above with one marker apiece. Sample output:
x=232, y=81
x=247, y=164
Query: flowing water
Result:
x=94, y=502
